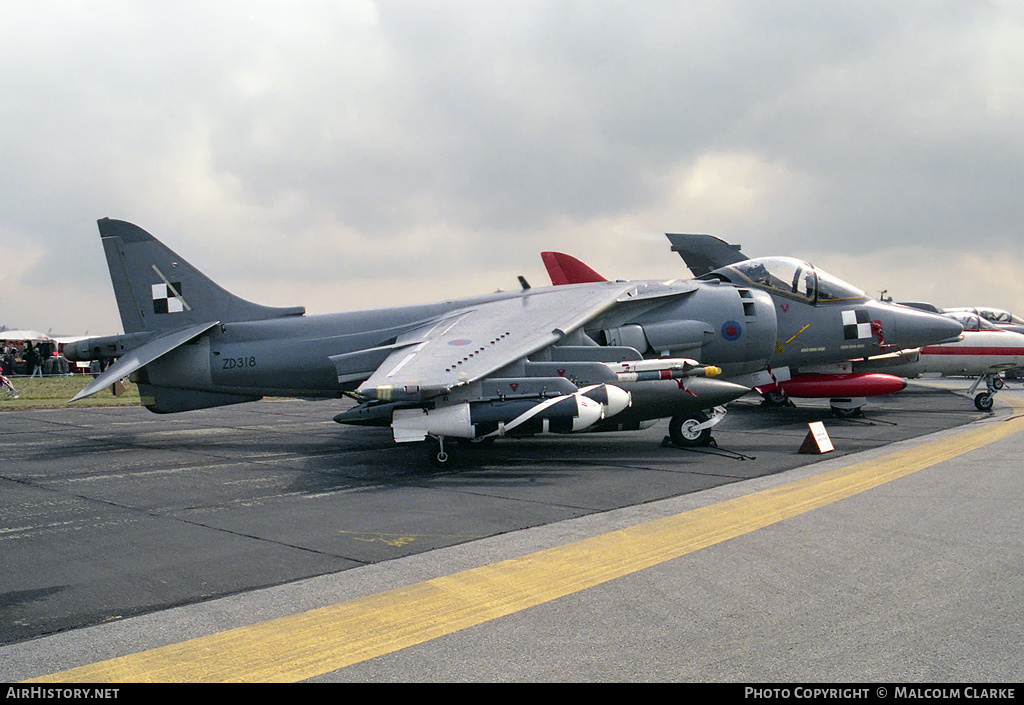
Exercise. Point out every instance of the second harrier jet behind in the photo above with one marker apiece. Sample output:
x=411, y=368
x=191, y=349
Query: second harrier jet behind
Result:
x=823, y=323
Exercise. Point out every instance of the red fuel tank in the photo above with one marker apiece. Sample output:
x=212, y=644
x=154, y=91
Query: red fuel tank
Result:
x=856, y=384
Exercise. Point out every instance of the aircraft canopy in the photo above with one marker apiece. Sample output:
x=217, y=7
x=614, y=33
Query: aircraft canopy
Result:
x=996, y=315
x=796, y=278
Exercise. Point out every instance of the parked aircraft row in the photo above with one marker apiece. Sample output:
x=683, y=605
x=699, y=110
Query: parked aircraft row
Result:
x=586, y=354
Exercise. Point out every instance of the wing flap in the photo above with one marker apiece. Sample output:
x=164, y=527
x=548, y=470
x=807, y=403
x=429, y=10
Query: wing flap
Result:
x=357, y=366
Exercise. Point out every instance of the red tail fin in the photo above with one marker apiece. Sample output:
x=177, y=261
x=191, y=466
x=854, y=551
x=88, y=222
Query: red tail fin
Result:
x=566, y=269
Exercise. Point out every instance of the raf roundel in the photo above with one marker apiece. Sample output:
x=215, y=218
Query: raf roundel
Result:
x=731, y=330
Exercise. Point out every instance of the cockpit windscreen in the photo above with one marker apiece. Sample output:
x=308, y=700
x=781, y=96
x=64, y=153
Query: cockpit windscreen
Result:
x=796, y=278
x=834, y=289
x=970, y=320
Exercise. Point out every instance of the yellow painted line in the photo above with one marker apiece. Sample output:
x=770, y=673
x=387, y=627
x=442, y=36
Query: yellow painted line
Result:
x=323, y=640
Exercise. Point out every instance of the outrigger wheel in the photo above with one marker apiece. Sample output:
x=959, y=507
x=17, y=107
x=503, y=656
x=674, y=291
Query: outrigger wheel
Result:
x=439, y=456
x=683, y=430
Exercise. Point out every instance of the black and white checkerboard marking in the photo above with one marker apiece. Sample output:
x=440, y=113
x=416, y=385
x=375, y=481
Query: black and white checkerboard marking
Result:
x=856, y=324
x=165, y=301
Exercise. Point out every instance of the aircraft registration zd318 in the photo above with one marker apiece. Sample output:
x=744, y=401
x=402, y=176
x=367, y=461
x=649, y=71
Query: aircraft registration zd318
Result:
x=503, y=364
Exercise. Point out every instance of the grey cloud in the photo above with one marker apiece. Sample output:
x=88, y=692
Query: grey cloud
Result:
x=486, y=124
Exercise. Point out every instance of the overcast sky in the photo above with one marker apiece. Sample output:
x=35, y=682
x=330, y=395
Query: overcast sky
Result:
x=350, y=154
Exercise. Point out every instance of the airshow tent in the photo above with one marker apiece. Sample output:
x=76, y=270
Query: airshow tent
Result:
x=22, y=336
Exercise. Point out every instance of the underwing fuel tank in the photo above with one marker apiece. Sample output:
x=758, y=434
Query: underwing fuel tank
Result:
x=567, y=413
x=825, y=386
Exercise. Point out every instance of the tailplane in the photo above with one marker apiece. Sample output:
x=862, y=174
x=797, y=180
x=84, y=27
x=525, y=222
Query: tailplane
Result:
x=156, y=290
x=704, y=253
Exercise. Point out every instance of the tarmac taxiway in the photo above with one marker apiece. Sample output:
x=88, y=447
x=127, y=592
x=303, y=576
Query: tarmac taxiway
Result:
x=284, y=547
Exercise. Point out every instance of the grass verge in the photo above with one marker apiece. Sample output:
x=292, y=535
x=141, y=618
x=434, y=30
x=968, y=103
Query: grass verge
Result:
x=54, y=393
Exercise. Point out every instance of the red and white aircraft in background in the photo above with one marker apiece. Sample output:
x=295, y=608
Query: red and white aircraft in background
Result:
x=1003, y=320
x=1000, y=318
x=984, y=351
x=809, y=361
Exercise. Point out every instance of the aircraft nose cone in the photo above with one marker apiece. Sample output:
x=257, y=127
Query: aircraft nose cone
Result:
x=917, y=328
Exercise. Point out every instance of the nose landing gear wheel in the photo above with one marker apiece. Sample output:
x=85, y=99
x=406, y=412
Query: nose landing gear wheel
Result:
x=683, y=431
x=984, y=402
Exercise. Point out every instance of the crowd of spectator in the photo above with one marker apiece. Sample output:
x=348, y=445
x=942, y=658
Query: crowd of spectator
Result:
x=32, y=360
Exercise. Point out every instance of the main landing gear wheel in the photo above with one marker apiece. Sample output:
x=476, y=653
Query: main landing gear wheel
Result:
x=774, y=399
x=984, y=402
x=438, y=455
x=683, y=431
